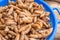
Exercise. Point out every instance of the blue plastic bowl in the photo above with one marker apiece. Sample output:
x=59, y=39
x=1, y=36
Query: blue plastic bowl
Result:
x=53, y=19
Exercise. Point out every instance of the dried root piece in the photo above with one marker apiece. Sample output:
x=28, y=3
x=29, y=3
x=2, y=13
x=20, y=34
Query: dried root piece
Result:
x=22, y=36
x=38, y=12
x=26, y=37
x=19, y=20
x=23, y=28
x=2, y=37
x=31, y=10
x=12, y=3
x=18, y=12
x=47, y=13
x=2, y=27
x=10, y=22
x=2, y=9
x=35, y=36
x=22, y=6
x=6, y=29
x=35, y=19
x=16, y=29
x=30, y=6
x=10, y=11
x=32, y=39
x=11, y=32
x=2, y=33
x=29, y=0
x=37, y=26
x=11, y=17
x=33, y=31
x=27, y=13
x=6, y=37
x=2, y=20
x=17, y=37
x=0, y=15
x=44, y=23
x=20, y=2
x=27, y=30
x=27, y=19
x=11, y=27
x=45, y=32
x=15, y=17
x=42, y=39
x=46, y=19
x=9, y=35
x=15, y=7
x=42, y=15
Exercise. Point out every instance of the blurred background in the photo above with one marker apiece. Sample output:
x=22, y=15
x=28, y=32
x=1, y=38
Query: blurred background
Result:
x=55, y=3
